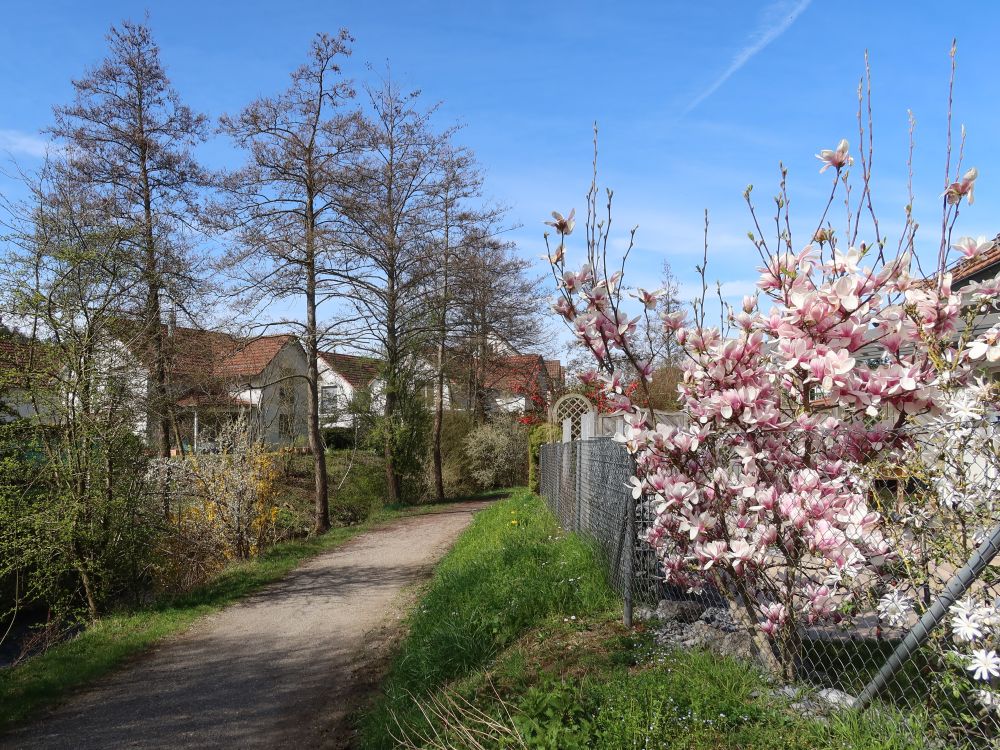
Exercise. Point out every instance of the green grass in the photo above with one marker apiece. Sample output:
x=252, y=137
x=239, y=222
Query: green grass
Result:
x=112, y=640
x=515, y=645
x=509, y=571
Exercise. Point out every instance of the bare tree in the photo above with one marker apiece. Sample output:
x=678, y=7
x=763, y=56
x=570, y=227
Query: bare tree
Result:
x=501, y=310
x=667, y=351
x=390, y=231
x=283, y=205
x=464, y=229
x=129, y=137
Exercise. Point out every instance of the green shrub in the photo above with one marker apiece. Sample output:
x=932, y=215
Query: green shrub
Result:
x=338, y=438
x=539, y=435
x=357, y=485
x=455, y=469
x=498, y=453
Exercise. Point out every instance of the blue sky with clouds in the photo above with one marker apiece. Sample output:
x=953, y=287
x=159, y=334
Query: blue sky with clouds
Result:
x=694, y=100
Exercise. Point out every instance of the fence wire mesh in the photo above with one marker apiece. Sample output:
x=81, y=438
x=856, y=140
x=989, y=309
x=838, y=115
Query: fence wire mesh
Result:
x=916, y=634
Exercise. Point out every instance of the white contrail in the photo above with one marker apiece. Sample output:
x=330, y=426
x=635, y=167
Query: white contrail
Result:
x=777, y=17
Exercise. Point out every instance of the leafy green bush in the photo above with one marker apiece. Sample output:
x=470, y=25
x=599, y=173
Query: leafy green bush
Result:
x=338, y=438
x=455, y=468
x=498, y=453
x=78, y=523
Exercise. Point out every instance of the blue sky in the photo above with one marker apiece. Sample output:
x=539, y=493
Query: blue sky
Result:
x=694, y=100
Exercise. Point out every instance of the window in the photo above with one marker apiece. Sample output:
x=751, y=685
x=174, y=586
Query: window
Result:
x=329, y=399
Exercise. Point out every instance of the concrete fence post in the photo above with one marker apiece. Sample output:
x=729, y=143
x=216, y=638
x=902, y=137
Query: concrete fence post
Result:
x=919, y=633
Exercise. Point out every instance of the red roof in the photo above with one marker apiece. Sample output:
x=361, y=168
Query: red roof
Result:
x=513, y=373
x=554, y=369
x=358, y=371
x=196, y=353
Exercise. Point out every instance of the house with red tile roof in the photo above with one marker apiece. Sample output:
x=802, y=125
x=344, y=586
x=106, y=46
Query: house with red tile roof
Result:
x=517, y=383
x=215, y=376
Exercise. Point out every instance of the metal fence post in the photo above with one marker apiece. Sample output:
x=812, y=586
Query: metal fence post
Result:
x=629, y=542
x=919, y=633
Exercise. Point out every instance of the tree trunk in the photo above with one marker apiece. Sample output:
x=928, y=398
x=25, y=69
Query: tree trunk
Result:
x=321, y=501
x=439, y=391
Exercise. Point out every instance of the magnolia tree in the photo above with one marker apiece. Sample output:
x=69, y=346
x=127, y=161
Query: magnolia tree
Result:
x=829, y=367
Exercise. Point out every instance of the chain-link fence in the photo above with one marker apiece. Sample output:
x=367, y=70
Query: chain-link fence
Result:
x=915, y=634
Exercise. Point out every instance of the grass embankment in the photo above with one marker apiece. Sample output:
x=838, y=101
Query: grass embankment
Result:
x=514, y=646
x=107, y=643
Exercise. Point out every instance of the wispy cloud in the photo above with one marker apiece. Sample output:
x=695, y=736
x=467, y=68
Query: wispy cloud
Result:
x=774, y=21
x=19, y=143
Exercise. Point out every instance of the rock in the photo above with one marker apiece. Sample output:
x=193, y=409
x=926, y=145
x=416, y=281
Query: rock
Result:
x=721, y=618
x=680, y=611
x=836, y=698
x=644, y=614
x=787, y=691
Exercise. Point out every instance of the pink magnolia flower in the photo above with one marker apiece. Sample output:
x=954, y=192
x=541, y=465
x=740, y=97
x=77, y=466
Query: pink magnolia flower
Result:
x=837, y=158
x=964, y=187
x=970, y=247
x=710, y=553
x=563, y=225
x=740, y=553
x=696, y=524
x=564, y=308
x=647, y=298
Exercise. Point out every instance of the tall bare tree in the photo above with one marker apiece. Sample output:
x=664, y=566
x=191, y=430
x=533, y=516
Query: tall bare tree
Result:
x=129, y=137
x=500, y=309
x=283, y=205
x=462, y=227
x=390, y=230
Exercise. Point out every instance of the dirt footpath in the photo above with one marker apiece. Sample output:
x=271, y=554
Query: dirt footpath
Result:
x=282, y=669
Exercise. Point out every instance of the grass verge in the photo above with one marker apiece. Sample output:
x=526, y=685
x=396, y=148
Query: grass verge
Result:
x=46, y=679
x=514, y=646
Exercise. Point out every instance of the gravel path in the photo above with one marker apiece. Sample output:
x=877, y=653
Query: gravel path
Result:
x=282, y=669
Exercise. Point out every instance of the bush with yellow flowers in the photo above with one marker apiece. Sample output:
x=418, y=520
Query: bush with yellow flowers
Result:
x=223, y=507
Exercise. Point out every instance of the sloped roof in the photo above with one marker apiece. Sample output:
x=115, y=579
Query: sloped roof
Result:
x=555, y=371
x=198, y=353
x=513, y=373
x=18, y=359
x=358, y=371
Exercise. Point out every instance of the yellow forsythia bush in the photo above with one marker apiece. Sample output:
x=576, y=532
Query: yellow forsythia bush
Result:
x=222, y=507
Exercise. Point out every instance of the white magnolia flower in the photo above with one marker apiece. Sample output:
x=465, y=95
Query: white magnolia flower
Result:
x=989, y=700
x=894, y=608
x=984, y=664
x=966, y=626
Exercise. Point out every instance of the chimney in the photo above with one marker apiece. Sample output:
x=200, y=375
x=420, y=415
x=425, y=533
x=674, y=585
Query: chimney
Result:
x=171, y=320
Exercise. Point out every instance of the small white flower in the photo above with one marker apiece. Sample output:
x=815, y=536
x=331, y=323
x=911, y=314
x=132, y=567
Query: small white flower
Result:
x=989, y=700
x=966, y=626
x=894, y=608
x=984, y=664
